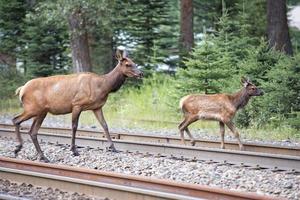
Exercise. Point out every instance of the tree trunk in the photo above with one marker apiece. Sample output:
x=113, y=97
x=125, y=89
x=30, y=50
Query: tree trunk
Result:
x=186, y=27
x=277, y=28
x=79, y=42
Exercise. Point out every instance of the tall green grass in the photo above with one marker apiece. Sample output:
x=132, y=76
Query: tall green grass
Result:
x=132, y=107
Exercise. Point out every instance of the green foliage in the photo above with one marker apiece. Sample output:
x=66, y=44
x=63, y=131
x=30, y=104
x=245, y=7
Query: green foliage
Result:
x=45, y=45
x=205, y=70
x=279, y=76
x=148, y=26
x=10, y=80
x=219, y=61
x=214, y=62
x=12, y=14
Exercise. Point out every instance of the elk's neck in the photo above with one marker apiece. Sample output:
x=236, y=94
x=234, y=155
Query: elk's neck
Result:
x=114, y=80
x=240, y=99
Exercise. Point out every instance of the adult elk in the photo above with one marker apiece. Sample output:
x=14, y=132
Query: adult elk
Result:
x=73, y=93
x=216, y=107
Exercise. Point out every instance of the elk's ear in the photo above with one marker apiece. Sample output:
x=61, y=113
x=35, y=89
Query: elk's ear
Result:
x=125, y=54
x=244, y=81
x=119, y=55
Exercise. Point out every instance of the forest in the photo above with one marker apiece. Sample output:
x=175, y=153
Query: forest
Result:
x=182, y=46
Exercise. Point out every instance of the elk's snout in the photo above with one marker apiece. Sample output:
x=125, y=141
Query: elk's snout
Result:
x=138, y=73
x=260, y=92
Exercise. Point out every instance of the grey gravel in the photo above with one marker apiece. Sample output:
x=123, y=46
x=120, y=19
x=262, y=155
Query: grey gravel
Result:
x=264, y=181
x=27, y=191
x=63, y=121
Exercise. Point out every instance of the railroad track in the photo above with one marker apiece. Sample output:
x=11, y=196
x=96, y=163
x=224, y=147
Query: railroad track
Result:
x=252, y=147
x=112, y=185
x=256, y=160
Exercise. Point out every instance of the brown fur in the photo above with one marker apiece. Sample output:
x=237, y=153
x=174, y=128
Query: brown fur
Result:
x=73, y=93
x=217, y=107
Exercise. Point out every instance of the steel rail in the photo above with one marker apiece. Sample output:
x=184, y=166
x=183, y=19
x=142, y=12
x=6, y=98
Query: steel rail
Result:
x=113, y=185
x=254, y=159
x=249, y=146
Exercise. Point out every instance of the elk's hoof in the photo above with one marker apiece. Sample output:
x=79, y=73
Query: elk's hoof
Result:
x=74, y=150
x=112, y=149
x=43, y=158
x=75, y=153
x=18, y=149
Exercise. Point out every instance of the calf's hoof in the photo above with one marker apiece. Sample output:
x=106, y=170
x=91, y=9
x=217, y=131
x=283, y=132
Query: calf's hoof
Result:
x=193, y=142
x=242, y=148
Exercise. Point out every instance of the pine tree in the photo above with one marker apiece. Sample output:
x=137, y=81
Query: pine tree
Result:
x=45, y=43
x=144, y=26
x=12, y=14
x=206, y=70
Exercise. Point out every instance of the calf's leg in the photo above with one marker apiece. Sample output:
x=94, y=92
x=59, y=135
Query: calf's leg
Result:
x=182, y=131
x=233, y=129
x=222, y=133
x=100, y=117
x=184, y=127
x=190, y=135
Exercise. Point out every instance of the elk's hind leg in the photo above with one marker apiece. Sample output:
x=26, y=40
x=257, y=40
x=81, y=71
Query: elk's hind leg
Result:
x=182, y=131
x=17, y=122
x=184, y=127
x=33, y=134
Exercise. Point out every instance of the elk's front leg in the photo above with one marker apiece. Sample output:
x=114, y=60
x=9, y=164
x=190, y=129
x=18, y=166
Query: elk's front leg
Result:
x=75, y=117
x=99, y=115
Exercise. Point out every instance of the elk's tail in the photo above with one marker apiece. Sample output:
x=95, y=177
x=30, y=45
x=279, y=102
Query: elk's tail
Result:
x=181, y=103
x=19, y=92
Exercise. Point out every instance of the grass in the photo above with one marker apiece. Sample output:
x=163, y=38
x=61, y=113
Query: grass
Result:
x=134, y=107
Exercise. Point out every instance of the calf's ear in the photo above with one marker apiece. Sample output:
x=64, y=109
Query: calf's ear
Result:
x=244, y=81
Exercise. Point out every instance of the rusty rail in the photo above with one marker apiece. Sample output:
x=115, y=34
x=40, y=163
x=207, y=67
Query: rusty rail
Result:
x=112, y=185
x=252, y=147
x=253, y=159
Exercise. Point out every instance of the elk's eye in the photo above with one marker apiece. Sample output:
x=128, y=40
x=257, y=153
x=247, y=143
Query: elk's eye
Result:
x=127, y=65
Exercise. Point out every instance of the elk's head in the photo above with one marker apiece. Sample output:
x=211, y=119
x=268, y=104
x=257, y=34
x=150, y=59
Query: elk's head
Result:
x=126, y=65
x=250, y=88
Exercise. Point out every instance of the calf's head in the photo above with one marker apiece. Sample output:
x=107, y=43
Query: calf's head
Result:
x=250, y=88
x=127, y=66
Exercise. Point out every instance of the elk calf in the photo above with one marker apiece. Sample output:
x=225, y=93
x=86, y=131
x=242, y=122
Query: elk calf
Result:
x=217, y=107
x=73, y=93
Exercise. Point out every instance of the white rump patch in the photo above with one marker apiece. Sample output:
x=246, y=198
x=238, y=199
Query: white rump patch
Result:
x=182, y=100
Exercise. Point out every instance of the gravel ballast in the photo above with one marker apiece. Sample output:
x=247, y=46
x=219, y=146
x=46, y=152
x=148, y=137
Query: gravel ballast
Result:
x=61, y=122
x=196, y=172
x=24, y=191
